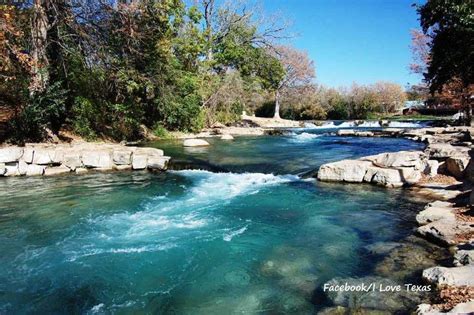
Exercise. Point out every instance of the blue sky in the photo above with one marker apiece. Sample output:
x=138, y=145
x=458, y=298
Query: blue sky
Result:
x=359, y=41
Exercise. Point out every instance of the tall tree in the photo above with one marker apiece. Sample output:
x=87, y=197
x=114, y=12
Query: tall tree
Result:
x=298, y=68
x=450, y=26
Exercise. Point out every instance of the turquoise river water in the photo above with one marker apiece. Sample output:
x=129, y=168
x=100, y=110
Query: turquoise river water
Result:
x=253, y=238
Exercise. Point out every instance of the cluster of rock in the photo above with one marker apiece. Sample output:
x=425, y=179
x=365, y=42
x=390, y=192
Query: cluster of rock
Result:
x=386, y=169
x=46, y=159
x=447, y=152
x=446, y=221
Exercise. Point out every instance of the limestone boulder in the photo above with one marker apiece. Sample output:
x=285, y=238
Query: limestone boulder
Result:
x=432, y=167
x=352, y=171
x=10, y=154
x=12, y=169
x=157, y=163
x=346, y=132
x=456, y=276
x=415, y=159
x=22, y=167
x=72, y=160
x=46, y=156
x=149, y=151
x=439, y=210
x=123, y=167
x=445, y=231
x=384, y=176
x=97, y=159
x=56, y=170
x=364, y=134
x=139, y=161
x=34, y=170
x=28, y=154
x=464, y=257
x=195, y=143
x=445, y=150
x=227, y=137
x=122, y=157
x=463, y=308
x=456, y=165
x=81, y=170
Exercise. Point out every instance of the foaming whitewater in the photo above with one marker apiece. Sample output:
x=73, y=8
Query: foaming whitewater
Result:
x=404, y=124
x=230, y=235
x=161, y=223
x=304, y=137
x=223, y=186
x=364, y=124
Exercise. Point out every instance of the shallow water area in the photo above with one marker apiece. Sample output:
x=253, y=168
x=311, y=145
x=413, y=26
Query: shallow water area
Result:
x=255, y=239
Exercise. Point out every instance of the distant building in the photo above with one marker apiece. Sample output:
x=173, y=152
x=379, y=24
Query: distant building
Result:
x=411, y=107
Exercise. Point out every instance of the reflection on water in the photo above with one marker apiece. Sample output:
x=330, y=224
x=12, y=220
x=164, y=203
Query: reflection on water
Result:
x=197, y=242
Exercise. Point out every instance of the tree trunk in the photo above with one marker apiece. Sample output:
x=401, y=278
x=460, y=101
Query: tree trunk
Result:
x=208, y=12
x=39, y=33
x=277, y=105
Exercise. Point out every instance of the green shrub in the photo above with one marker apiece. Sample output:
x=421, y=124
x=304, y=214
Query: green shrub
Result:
x=84, y=118
x=160, y=131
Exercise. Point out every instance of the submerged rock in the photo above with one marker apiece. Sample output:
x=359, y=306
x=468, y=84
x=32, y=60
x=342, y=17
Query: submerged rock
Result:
x=409, y=258
x=227, y=137
x=293, y=269
x=371, y=299
x=382, y=248
x=195, y=143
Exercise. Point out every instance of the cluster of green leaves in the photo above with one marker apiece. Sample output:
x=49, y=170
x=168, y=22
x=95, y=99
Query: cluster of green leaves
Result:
x=140, y=64
x=450, y=24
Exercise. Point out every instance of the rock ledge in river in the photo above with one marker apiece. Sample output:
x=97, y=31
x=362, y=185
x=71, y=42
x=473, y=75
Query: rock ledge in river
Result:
x=195, y=143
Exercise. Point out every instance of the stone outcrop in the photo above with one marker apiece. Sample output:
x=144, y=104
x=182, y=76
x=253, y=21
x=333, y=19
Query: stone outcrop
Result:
x=438, y=210
x=195, y=143
x=455, y=276
x=386, y=169
x=45, y=159
x=227, y=137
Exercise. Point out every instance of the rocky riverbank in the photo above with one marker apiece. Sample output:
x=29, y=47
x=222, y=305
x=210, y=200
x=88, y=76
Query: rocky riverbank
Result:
x=77, y=157
x=445, y=173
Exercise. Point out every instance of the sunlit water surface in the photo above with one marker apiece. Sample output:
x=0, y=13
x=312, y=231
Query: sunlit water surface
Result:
x=257, y=240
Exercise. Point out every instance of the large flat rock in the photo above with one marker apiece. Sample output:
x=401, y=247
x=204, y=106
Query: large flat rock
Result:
x=352, y=171
x=456, y=276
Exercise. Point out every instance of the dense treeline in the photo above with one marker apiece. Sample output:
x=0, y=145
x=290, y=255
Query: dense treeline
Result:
x=116, y=68
x=443, y=54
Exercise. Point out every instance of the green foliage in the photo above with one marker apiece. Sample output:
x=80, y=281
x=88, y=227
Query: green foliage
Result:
x=450, y=24
x=44, y=110
x=84, y=118
x=338, y=110
x=160, y=131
